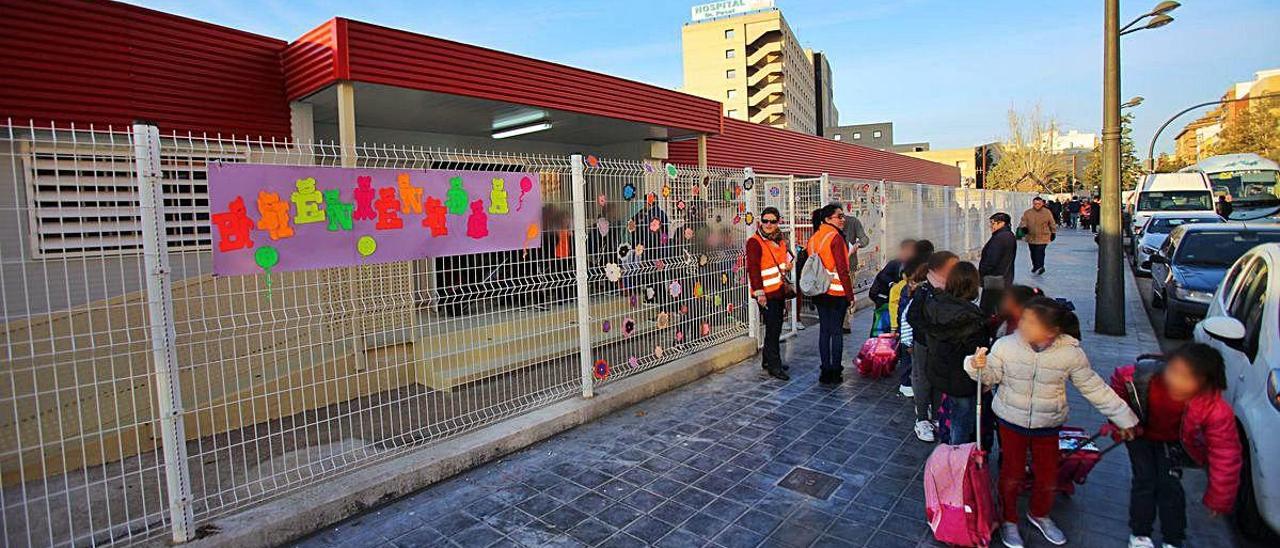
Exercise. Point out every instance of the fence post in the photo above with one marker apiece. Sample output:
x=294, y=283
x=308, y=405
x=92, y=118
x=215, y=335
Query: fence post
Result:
x=753, y=311
x=883, y=206
x=579, y=185
x=824, y=192
x=920, y=213
x=948, y=199
x=795, y=250
x=164, y=338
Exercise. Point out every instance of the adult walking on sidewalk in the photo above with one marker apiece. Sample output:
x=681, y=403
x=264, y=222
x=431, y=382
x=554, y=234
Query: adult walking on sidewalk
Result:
x=828, y=246
x=856, y=237
x=996, y=264
x=768, y=262
x=1040, y=229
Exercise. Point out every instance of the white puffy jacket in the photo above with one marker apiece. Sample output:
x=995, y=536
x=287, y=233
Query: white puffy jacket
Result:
x=1033, y=385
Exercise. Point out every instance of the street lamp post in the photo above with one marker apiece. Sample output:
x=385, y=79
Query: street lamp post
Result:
x=1109, y=317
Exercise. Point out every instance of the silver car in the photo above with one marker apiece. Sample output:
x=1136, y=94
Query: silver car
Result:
x=1151, y=235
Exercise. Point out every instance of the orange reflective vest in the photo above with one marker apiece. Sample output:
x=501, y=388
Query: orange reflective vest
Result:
x=820, y=245
x=773, y=261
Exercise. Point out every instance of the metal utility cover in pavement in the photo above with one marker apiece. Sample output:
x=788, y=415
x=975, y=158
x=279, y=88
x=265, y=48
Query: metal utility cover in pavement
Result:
x=811, y=482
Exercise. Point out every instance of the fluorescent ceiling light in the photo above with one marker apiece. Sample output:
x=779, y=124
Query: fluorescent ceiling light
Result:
x=518, y=118
x=525, y=130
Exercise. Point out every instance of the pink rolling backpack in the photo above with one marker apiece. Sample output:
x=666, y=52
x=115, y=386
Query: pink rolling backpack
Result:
x=878, y=356
x=958, y=500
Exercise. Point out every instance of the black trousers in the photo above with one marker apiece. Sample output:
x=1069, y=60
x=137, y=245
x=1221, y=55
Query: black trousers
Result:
x=772, y=315
x=1157, y=490
x=1037, y=255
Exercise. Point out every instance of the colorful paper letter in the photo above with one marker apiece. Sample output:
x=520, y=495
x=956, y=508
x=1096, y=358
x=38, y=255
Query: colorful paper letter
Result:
x=307, y=199
x=498, y=198
x=233, y=227
x=364, y=199
x=275, y=215
x=339, y=211
x=387, y=206
x=435, y=219
x=410, y=196
x=478, y=222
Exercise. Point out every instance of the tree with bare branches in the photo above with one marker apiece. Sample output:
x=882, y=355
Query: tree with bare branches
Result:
x=1027, y=161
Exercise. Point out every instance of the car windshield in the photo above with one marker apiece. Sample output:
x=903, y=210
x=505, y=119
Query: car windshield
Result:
x=1176, y=200
x=1245, y=186
x=1165, y=225
x=1220, y=248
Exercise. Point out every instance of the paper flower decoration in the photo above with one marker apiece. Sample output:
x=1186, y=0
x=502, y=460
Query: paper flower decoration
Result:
x=724, y=278
x=650, y=294
x=680, y=205
x=664, y=320
x=592, y=161
x=655, y=225
x=672, y=172
x=666, y=191
x=688, y=233
x=624, y=251
x=602, y=200
x=719, y=300
x=684, y=309
x=750, y=218
x=628, y=327
x=675, y=289
x=706, y=329
x=775, y=191
x=703, y=259
x=613, y=272
x=737, y=219
x=679, y=336
x=633, y=301
x=729, y=308
x=602, y=226
x=629, y=191
x=657, y=352
x=660, y=264
x=631, y=225
x=697, y=290
x=633, y=362
x=606, y=326
x=748, y=183
x=639, y=250
x=601, y=369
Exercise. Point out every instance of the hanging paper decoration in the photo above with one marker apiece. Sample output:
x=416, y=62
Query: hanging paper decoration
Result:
x=664, y=320
x=266, y=257
x=724, y=278
x=729, y=308
x=633, y=362
x=679, y=337
x=775, y=191
x=703, y=259
x=633, y=301
x=672, y=172
x=680, y=205
x=655, y=225
x=688, y=233
x=706, y=329
x=657, y=352
x=750, y=218
x=602, y=200
x=660, y=264
x=601, y=369
x=628, y=327
x=592, y=161
x=697, y=290
x=666, y=190
x=631, y=225
x=650, y=294
x=606, y=326
x=602, y=226
x=639, y=250
x=629, y=191
x=613, y=272
x=624, y=250
x=675, y=289
x=748, y=183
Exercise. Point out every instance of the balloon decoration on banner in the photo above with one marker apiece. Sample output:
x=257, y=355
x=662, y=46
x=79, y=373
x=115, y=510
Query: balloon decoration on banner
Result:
x=601, y=369
x=266, y=257
x=592, y=161
x=366, y=245
x=526, y=186
x=672, y=172
x=628, y=327
x=530, y=234
x=629, y=191
x=613, y=272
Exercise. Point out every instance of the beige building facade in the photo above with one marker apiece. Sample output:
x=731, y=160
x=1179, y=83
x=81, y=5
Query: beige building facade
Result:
x=962, y=158
x=753, y=64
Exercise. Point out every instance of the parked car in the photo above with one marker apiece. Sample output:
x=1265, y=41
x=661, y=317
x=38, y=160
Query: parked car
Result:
x=1243, y=323
x=1151, y=235
x=1183, y=192
x=1186, y=270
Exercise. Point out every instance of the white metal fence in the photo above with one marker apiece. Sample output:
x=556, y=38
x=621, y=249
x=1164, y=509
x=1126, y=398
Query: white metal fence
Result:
x=142, y=396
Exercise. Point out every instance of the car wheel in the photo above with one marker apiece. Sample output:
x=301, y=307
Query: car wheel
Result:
x=1156, y=300
x=1175, y=324
x=1247, y=516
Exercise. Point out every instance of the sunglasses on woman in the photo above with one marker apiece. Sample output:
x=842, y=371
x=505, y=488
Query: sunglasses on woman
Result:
x=769, y=221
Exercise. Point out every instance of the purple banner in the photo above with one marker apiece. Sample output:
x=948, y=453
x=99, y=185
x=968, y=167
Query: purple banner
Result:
x=284, y=218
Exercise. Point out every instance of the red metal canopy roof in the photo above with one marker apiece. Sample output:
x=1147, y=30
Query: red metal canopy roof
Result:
x=342, y=49
x=770, y=150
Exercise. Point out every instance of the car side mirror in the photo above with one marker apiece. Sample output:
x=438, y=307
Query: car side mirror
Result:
x=1224, y=328
x=1157, y=258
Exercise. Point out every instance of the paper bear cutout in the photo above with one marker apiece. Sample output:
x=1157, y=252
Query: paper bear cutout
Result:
x=234, y=226
x=307, y=199
x=387, y=207
x=339, y=211
x=478, y=222
x=436, y=220
x=364, y=199
x=275, y=215
x=498, y=198
x=456, y=198
x=410, y=196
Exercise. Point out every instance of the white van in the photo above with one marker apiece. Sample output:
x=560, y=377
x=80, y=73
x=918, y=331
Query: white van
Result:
x=1182, y=192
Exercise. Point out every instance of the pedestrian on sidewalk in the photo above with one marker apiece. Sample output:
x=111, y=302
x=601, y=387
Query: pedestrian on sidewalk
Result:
x=1032, y=367
x=1095, y=214
x=930, y=280
x=1012, y=304
x=768, y=262
x=827, y=245
x=899, y=296
x=1073, y=213
x=957, y=328
x=856, y=236
x=996, y=263
x=883, y=282
x=1040, y=230
x=1185, y=422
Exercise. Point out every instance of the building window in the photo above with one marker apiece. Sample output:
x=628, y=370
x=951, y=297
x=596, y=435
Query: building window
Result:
x=733, y=113
x=837, y=136
x=731, y=94
x=730, y=54
x=730, y=74
x=728, y=34
x=876, y=134
x=857, y=135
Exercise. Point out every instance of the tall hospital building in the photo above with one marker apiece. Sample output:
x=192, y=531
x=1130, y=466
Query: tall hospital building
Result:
x=743, y=54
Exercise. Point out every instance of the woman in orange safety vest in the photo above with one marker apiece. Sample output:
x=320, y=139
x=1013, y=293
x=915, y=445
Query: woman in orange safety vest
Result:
x=768, y=262
x=828, y=245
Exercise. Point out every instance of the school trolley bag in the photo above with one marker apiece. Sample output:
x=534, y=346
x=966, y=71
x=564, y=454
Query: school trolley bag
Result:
x=878, y=356
x=958, y=500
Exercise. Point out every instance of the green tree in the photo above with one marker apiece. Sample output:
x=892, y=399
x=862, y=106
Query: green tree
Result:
x=1255, y=128
x=1130, y=166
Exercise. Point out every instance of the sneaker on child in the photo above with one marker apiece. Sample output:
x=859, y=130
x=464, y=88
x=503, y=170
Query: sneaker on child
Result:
x=1049, y=529
x=1136, y=541
x=906, y=391
x=924, y=431
x=1010, y=536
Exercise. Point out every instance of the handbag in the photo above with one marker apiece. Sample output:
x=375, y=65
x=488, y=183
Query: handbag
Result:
x=788, y=290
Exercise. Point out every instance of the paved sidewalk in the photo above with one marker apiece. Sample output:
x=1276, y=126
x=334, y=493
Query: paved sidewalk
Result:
x=700, y=466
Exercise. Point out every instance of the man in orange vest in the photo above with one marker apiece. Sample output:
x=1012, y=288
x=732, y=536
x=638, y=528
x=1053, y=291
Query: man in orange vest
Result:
x=828, y=245
x=768, y=262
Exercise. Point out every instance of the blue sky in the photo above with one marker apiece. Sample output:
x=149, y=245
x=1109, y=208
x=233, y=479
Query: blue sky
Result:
x=944, y=71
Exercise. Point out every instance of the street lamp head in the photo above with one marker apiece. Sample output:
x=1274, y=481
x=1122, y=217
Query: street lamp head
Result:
x=1165, y=7
x=1158, y=21
x=1135, y=101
